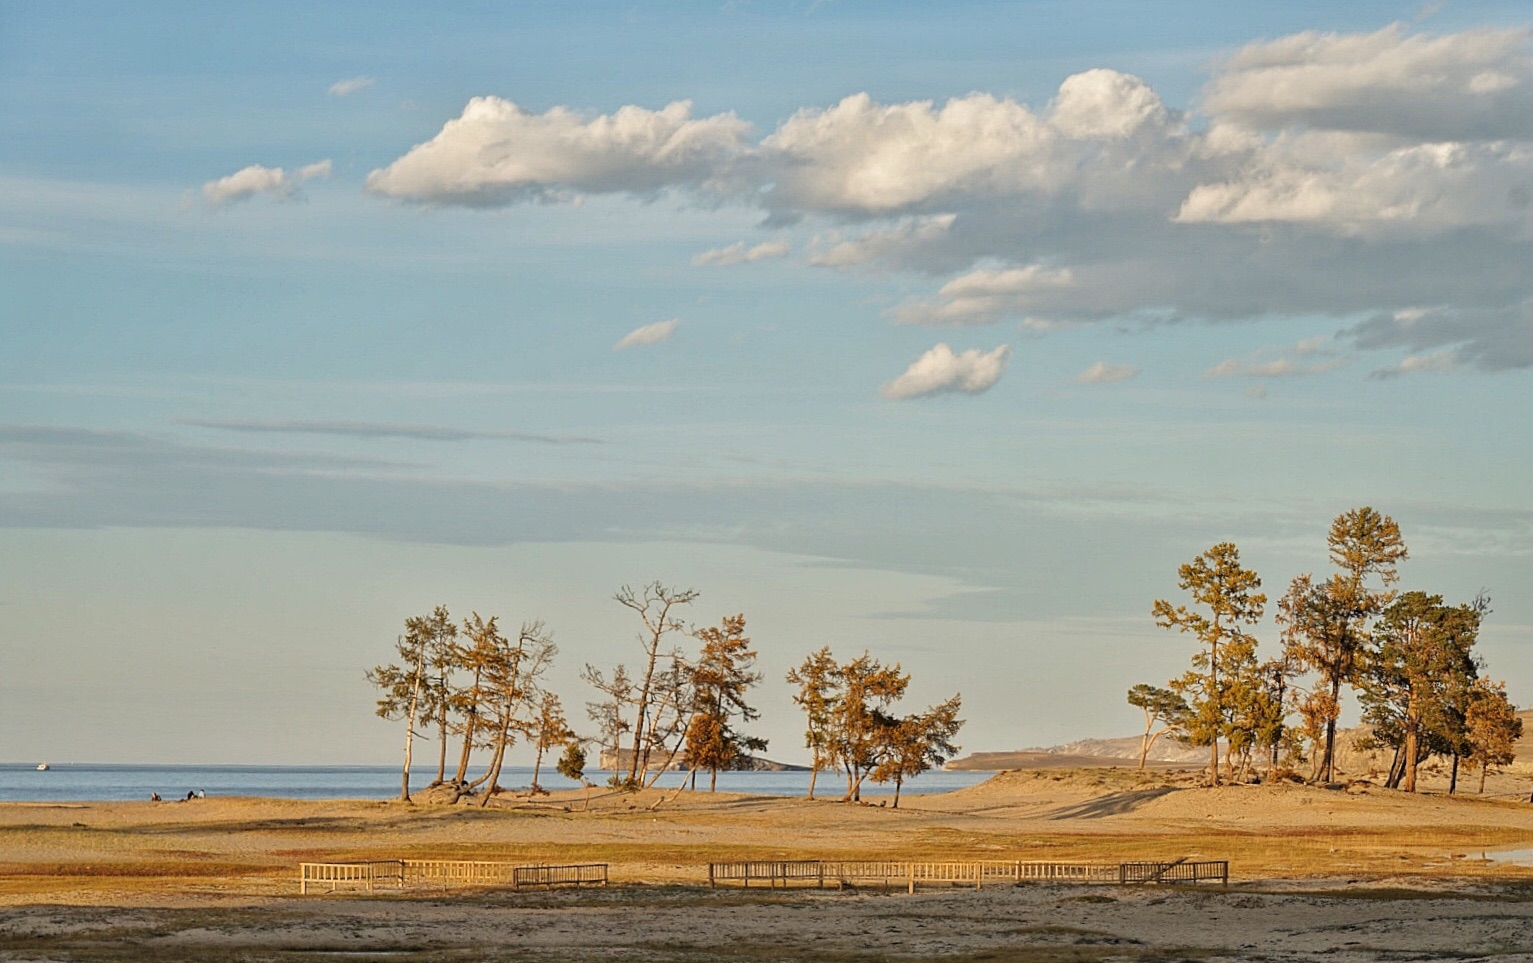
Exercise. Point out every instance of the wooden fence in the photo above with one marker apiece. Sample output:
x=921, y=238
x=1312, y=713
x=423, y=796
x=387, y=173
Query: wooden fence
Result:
x=398, y=873
x=977, y=873
x=574, y=874
x=366, y=875
x=1177, y=871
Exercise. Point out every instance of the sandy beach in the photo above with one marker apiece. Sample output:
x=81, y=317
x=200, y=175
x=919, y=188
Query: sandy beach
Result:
x=1356, y=868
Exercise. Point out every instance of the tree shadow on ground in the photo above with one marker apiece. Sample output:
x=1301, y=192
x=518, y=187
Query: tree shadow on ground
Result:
x=1115, y=804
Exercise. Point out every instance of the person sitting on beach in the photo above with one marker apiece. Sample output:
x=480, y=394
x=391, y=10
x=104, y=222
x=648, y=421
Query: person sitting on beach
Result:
x=154, y=797
x=191, y=794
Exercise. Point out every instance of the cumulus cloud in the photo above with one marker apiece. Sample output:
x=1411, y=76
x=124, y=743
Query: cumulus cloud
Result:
x=1103, y=373
x=1422, y=189
x=497, y=153
x=1337, y=176
x=648, y=334
x=1474, y=85
x=741, y=253
x=349, y=86
x=255, y=179
x=940, y=371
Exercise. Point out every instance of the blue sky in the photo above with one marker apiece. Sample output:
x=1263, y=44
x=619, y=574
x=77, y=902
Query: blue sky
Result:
x=308, y=328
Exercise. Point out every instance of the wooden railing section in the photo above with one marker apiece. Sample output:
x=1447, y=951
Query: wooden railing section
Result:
x=574, y=874
x=364, y=875
x=977, y=873
x=398, y=873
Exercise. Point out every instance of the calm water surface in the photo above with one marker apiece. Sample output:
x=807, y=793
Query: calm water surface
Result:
x=99, y=781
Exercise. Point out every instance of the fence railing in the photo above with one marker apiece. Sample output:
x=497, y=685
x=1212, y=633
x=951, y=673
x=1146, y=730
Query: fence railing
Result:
x=960, y=872
x=1176, y=871
x=398, y=873
x=458, y=872
x=574, y=874
x=363, y=875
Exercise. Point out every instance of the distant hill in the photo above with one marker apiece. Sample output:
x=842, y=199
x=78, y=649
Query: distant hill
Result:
x=1124, y=751
x=624, y=757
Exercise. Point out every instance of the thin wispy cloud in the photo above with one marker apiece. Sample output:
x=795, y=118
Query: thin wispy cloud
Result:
x=740, y=253
x=1435, y=362
x=368, y=429
x=648, y=334
x=349, y=86
x=1103, y=373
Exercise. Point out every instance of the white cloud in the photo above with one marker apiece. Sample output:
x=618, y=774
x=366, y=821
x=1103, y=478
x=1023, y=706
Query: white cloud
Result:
x=1436, y=361
x=344, y=88
x=1336, y=176
x=940, y=371
x=986, y=296
x=885, y=244
x=1106, y=104
x=648, y=334
x=1474, y=85
x=1282, y=367
x=1103, y=373
x=255, y=179
x=1422, y=189
x=740, y=253
x=497, y=153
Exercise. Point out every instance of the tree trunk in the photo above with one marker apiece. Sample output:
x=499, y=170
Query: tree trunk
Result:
x=1396, y=767
x=1453, y=779
x=537, y=764
x=1484, y=771
x=1412, y=750
x=1213, y=693
x=813, y=775
x=898, y=782
x=441, y=756
x=713, y=780
x=634, y=770
x=500, y=755
x=469, y=728
x=415, y=698
x=1144, y=744
x=1328, y=761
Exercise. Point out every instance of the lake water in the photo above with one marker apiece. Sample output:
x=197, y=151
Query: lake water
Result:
x=100, y=781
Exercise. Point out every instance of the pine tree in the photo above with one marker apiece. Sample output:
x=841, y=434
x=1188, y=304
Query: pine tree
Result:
x=1217, y=582
x=403, y=684
x=1326, y=626
x=1162, y=708
x=549, y=729
x=1492, y=728
x=818, y=681
x=1416, y=683
x=725, y=671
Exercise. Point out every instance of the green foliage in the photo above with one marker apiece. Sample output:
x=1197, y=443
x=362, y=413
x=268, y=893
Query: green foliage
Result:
x=1217, y=688
x=1417, y=683
x=719, y=684
x=572, y=764
x=1326, y=625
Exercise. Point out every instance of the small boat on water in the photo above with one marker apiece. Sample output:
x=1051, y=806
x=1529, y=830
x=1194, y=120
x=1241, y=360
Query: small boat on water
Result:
x=42, y=767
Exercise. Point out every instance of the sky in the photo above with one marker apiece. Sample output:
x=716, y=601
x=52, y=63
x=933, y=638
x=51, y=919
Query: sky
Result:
x=944, y=331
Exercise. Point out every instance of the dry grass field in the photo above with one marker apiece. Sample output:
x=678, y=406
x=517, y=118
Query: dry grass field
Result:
x=1362, y=871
